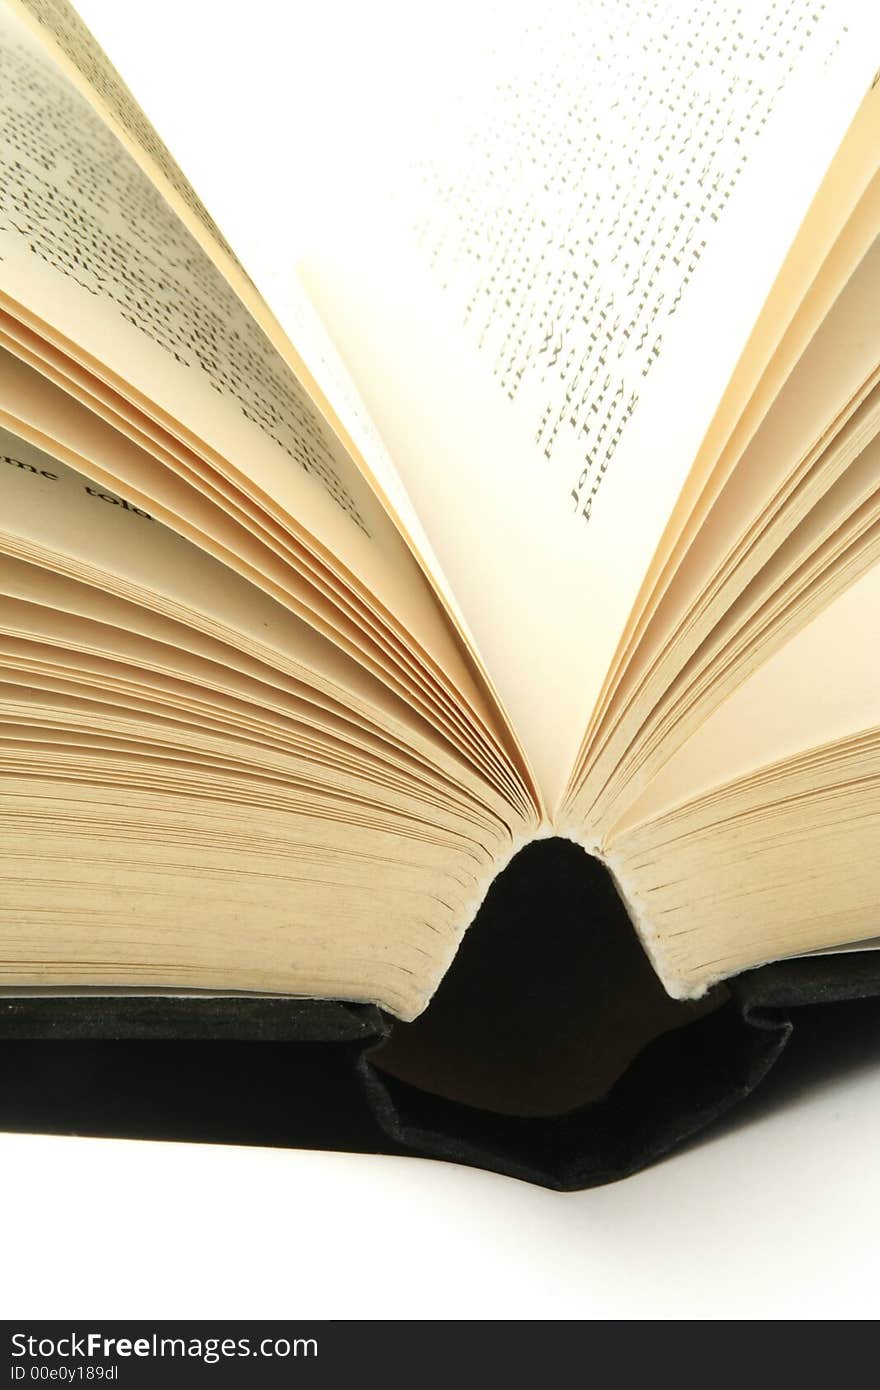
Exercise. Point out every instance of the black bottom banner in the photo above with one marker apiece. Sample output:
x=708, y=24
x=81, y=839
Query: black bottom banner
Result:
x=384, y=1354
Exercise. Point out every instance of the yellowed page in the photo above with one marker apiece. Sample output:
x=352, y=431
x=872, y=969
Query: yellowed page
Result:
x=52, y=512
x=823, y=686
x=779, y=865
x=311, y=896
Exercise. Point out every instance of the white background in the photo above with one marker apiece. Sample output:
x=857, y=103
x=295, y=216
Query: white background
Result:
x=775, y=1217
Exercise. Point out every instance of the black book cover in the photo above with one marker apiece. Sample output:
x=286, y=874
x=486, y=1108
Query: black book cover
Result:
x=550, y=1052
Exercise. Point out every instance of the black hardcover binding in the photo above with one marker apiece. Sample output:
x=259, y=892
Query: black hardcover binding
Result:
x=549, y=1053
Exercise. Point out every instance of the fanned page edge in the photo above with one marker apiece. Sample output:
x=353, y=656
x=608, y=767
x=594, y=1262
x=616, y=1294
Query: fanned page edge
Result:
x=641, y=924
x=123, y=115
x=45, y=470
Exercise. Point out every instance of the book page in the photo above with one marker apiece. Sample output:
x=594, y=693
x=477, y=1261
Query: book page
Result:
x=787, y=707
x=90, y=248
x=544, y=319
x=58, y=23
x=59, y=519
x=291, y=324
x=93, y=259
x=73, y=545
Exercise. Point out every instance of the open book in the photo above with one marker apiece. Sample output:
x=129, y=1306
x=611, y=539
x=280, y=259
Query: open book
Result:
x=550, y=507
